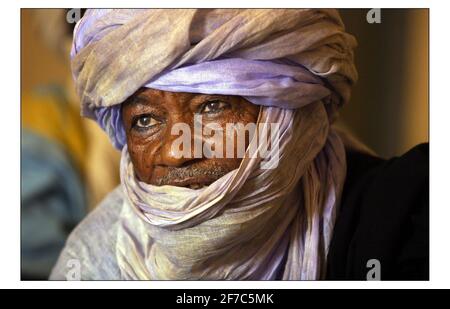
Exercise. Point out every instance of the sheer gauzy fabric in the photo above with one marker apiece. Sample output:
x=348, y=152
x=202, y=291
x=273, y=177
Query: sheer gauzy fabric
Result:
x=254, y=222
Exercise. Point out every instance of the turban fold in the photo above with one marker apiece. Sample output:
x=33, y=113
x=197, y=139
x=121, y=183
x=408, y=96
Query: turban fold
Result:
x=251, y=223
x=280, y=57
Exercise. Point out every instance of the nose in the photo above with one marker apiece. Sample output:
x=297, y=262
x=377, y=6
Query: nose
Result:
x=177, y=148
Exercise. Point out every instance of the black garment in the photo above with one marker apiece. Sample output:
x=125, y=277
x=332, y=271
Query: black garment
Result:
x=384, y=216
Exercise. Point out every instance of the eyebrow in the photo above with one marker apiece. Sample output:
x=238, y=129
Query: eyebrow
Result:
x=137, y=100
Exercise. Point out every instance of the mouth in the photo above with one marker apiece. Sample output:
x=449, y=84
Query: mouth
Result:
x=194, y=183
x=196, y=186
x=194, y=178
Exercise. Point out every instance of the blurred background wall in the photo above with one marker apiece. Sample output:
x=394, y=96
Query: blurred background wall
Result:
x=45, y=66
x=68, y=164
x=389, y=106
x=41, y=63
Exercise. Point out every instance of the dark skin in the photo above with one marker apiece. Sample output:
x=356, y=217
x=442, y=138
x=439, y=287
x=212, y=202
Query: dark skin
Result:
x=148, y=117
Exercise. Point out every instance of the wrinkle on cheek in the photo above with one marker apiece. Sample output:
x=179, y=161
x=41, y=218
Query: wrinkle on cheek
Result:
x=142, y=157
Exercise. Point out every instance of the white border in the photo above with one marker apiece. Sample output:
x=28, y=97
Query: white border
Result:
x=439, y=128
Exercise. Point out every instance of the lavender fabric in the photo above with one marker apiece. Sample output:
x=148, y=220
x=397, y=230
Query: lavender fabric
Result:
x=284, y=60
x=251, y=223
x=260, y=82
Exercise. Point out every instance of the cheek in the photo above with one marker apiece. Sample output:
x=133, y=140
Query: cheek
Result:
x=142, y=158
x=250, y=113
x=246, y=115
x=231, y=139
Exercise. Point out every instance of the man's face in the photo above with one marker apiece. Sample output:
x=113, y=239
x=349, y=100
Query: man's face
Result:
x=149, y=116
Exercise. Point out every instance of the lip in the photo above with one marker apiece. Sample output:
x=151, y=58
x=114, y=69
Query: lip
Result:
x=193, y=183
x=196, y=186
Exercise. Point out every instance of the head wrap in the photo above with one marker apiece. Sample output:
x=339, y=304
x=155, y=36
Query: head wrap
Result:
x=252, y=223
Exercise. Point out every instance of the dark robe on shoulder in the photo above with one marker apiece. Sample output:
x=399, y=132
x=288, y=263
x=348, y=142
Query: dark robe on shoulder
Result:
x=384, y=215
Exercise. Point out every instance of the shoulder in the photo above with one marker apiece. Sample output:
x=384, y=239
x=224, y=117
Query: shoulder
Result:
x=91, y=245
x=383, y=216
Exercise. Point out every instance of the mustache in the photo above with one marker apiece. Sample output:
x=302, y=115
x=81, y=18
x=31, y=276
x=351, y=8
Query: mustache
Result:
x=193, y=173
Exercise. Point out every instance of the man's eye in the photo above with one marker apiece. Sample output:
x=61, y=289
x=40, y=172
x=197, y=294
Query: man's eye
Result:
x=214, y=106
x=145, y=122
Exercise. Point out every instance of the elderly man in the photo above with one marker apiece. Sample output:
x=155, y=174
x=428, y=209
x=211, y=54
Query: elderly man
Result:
x=299, y=203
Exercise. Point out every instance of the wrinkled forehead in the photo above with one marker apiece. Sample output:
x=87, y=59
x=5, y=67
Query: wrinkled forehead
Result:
x=150, y=94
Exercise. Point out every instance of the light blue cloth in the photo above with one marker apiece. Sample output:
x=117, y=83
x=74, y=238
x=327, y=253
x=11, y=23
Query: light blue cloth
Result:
x=52, y=203
x=95, y=255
